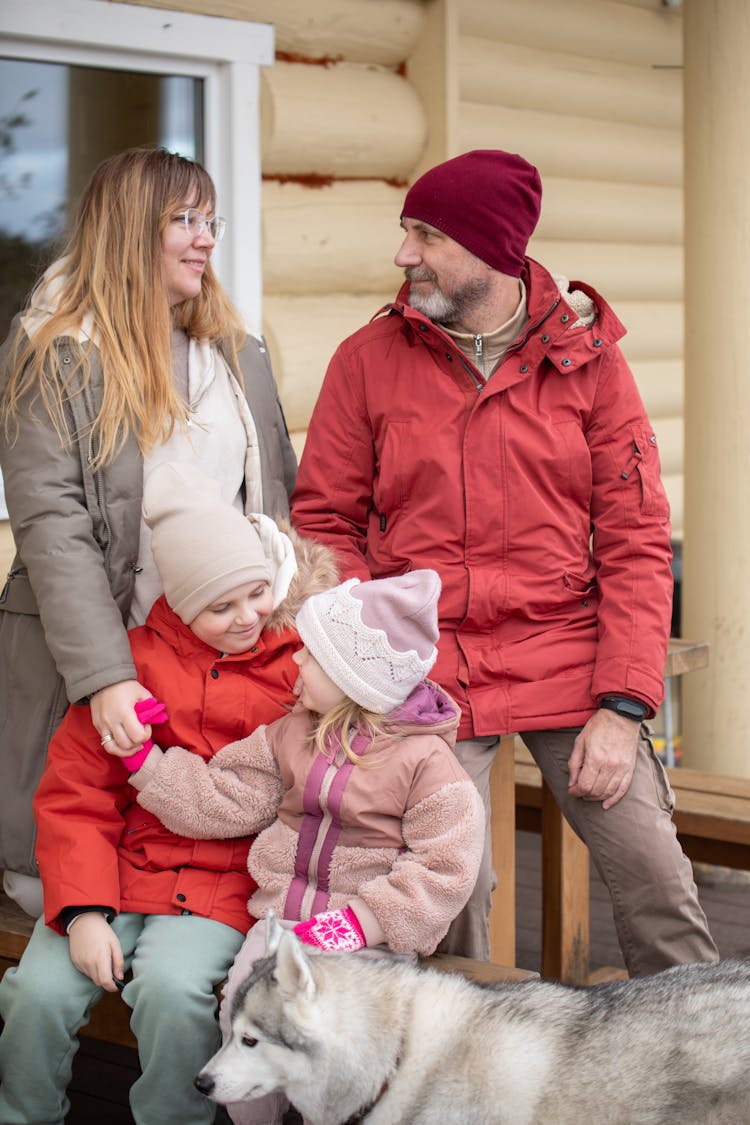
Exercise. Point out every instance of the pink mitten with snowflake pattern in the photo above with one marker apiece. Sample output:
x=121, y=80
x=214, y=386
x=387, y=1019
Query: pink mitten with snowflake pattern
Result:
x=334, y=931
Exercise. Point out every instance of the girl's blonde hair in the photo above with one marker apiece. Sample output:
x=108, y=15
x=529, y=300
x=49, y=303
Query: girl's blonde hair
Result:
x=341, y=723
x=112, y=269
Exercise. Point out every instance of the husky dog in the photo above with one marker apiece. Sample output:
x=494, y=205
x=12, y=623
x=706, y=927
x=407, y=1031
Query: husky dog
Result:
x=350, y=1039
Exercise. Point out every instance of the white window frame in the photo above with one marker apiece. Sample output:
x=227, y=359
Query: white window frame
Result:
x=227, y=54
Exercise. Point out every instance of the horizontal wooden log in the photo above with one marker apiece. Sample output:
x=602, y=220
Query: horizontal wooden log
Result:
x=298, y=441
x=562, y=144
x=302, y=335
x=358, y=30
x=655, y=329
x=335, y=239
x=674, y=483
x=341, y=120
x=621, y=271
x=581, y=210
x=7, y=549
x=669, y=435
x=494, y=73
x=626, y=33
x=662, y=386
x=309, y=233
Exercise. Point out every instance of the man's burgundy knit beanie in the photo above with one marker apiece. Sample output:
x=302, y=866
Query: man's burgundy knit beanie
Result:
x=487, y=200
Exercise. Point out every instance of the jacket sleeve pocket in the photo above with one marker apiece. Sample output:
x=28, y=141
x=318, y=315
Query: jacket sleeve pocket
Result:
x=644, y=466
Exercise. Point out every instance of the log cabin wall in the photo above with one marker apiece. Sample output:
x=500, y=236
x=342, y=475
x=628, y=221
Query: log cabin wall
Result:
x=367, y=93
x=591, y=92
x=342, y=131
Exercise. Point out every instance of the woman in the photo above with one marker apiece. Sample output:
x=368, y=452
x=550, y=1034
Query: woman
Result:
x=129, y=354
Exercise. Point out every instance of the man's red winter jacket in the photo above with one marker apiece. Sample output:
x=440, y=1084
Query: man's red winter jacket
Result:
x=536, y=495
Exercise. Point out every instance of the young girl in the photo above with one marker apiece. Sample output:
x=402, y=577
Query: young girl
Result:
x=121, y=891
x=371, y=833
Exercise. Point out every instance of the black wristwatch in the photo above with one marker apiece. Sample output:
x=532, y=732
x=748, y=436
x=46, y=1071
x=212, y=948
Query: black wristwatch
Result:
x=623, y=705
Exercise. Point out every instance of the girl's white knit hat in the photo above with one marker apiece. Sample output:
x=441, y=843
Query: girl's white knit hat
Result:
x=376, y=640
x=204, y=547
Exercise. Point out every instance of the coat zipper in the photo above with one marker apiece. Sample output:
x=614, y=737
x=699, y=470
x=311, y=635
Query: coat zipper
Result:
x=95, y=475
x=479, y=343
x=479, y=386
x=99, y=490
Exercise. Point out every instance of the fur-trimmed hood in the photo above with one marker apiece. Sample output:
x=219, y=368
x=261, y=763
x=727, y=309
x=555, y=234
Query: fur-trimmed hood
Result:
x=316, y=571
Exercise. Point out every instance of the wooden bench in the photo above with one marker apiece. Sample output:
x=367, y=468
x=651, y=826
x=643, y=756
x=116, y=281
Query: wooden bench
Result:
x=712, y=818
x=110, y=1017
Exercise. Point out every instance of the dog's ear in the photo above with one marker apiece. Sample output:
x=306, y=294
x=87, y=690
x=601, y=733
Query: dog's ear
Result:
x=293, y=971
x=273, y=933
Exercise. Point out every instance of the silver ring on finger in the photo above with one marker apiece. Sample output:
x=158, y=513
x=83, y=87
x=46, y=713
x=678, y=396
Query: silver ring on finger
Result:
x=107, y=738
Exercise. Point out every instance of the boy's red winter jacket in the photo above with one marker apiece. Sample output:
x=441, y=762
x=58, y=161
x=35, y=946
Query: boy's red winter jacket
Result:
x=96, y=846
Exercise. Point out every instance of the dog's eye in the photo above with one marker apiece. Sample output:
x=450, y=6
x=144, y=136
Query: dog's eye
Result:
x=248, y=1041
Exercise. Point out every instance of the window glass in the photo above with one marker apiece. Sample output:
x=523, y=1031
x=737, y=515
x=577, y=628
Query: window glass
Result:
x=57, y=122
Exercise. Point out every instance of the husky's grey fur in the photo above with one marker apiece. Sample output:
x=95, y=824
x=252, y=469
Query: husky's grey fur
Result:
x=351, y=1039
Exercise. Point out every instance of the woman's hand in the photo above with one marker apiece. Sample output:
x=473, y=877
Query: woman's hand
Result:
x=113, y=715
x=96, y=951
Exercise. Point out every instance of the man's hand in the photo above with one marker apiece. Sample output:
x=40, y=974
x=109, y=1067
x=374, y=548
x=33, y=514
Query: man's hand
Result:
x=113, y=715
x=603, y=759
x=96, y=951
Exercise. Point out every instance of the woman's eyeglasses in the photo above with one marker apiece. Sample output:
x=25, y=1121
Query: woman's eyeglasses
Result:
x=196, y=222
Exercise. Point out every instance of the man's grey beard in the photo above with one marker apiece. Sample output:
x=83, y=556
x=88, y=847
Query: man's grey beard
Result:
x=446, y=308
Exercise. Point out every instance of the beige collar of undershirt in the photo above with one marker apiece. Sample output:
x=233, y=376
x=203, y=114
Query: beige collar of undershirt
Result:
x=486, y=350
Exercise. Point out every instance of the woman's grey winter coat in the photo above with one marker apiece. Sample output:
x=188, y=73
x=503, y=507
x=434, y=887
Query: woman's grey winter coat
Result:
x=66, y=599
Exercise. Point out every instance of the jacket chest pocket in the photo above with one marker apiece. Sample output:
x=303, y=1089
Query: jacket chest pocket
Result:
x=390, y=489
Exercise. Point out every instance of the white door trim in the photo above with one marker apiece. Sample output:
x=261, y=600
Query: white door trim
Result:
x=225, y=53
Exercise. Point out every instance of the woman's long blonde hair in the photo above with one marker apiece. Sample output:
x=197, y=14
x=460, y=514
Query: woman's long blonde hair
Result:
x=112, y=269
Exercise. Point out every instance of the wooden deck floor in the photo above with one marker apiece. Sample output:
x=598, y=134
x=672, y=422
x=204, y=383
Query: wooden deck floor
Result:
x=103, y=1074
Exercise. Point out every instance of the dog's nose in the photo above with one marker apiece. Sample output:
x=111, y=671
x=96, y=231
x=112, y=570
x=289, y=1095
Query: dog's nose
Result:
x=204, y=1082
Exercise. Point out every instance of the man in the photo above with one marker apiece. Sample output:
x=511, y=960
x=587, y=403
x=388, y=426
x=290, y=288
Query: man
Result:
x=489, y=427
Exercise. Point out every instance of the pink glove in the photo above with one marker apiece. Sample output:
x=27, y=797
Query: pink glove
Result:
x=337, y=930
x=148, y=711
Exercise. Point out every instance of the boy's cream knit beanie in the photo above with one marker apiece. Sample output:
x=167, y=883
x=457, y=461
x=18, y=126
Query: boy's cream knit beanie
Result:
x=202, y=546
